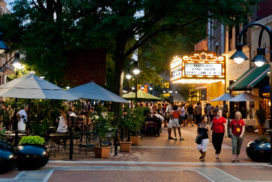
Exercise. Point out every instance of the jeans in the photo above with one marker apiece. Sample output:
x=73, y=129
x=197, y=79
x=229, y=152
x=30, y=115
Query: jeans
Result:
x=236, y=144
x=217, y=140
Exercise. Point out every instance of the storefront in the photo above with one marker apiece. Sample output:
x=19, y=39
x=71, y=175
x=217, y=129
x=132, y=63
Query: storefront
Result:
x=254, y=80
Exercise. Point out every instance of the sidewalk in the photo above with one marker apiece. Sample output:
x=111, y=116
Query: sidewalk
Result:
x=156, y=159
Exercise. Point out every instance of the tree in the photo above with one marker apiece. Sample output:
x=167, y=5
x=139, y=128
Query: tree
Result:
x=44, y=29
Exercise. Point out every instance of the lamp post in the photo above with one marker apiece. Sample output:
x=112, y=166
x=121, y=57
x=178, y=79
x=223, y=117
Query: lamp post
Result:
x=17, y=65
x=259, y=61
x=136, y=71
x=128, y=77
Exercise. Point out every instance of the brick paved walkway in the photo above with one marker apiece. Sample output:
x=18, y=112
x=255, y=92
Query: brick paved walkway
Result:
x=156, y=159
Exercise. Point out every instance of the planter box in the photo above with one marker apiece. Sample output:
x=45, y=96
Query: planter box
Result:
x=125, y=146
x=7, y=157
x=135, y=140
x=258, y=151
x=102, y=152
x=31, y=157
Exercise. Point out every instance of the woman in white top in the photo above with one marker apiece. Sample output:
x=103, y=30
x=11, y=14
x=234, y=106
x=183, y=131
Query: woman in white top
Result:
x=22, y=115
x=62, y=127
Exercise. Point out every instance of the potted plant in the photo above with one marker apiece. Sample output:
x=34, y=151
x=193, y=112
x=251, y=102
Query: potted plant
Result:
x=102, y=126
x=137, y=123
x=31, y=153
x=259, y=150
x=261, y=116
x=125, y=124
x=7, y=154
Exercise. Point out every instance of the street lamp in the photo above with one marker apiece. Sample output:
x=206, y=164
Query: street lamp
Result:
x=259, y=61
x=128, y=76
x=136, y=71
x=239, y=56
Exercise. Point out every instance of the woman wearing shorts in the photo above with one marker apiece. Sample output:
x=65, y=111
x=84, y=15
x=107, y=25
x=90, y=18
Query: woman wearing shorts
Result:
x=175, y=122
x=203, y=130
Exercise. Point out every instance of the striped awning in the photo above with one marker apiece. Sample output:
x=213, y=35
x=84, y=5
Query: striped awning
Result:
x=250, y=78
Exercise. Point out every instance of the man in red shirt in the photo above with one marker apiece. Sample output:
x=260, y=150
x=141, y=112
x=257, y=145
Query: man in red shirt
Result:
x=237, y=130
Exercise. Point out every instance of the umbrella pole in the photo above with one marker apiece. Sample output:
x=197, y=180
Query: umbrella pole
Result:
x=15, y=119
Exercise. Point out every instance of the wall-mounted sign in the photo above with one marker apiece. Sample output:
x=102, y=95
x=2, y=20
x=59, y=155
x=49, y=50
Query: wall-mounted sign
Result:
x=201, y=67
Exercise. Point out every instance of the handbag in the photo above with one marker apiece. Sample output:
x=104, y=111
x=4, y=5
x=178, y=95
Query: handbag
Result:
x=198, y=139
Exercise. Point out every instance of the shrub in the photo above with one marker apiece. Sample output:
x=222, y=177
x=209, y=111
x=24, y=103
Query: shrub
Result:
x=33, y=140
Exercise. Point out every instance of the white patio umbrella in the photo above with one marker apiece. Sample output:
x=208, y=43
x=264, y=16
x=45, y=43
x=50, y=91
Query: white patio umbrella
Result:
x=33, y=87
x=244, y=97
x=95, y=92
x=224, y=97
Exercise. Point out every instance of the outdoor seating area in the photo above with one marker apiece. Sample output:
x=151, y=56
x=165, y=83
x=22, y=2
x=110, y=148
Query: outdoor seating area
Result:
x=71, y=123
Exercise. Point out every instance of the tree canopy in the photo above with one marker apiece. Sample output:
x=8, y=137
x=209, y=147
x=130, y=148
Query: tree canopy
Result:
x=44, y=29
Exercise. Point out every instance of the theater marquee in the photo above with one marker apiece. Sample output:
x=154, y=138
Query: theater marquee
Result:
x=201, y=67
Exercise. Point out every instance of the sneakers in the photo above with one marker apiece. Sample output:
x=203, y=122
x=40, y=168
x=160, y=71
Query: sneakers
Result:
x=181, y=139
x=175, y=139
x=170, y=138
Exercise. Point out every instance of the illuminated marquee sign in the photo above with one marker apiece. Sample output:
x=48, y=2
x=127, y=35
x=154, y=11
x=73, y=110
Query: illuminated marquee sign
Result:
x=201, y=67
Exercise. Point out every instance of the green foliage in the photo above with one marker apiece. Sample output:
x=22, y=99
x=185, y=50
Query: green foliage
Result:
x=261, y=115
x=39, y=127
x=102, y=124
x=132, y=120
x=45, y=30
x=263, y=139
x=33, y=140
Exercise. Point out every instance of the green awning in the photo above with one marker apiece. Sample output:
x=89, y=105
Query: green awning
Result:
x=250, y=78
x=140, y=95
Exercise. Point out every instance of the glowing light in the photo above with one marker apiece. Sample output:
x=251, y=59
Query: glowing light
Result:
x=259, y=63
x=136, y=71
x=177, y=61
x=128, y=76
x=196, y=81
x=133, y=88
x=239, y=60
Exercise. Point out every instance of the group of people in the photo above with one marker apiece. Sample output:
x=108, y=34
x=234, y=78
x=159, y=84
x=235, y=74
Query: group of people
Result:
x=217, y=131
x=211, y=125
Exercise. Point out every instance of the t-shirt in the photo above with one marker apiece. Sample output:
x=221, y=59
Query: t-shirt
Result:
x=182, y=112
x=190, y=110
x=218, y=125
x=23, y=120
x=176, y=114
x=236, y=126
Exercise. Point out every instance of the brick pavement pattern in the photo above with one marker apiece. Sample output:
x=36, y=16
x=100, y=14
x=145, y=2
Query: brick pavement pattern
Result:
x=156, y=159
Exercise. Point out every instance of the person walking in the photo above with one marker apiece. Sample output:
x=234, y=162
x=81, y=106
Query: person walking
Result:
x=168, y=111
x=219, y=130
x=175, y=122
x=190, y=111
x=237, y=130
x=198, y=112
x=182, y=114
x=203, y=131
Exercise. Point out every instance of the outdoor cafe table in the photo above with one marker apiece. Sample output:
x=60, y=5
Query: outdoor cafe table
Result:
x=11, y=136
x=56, y=137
